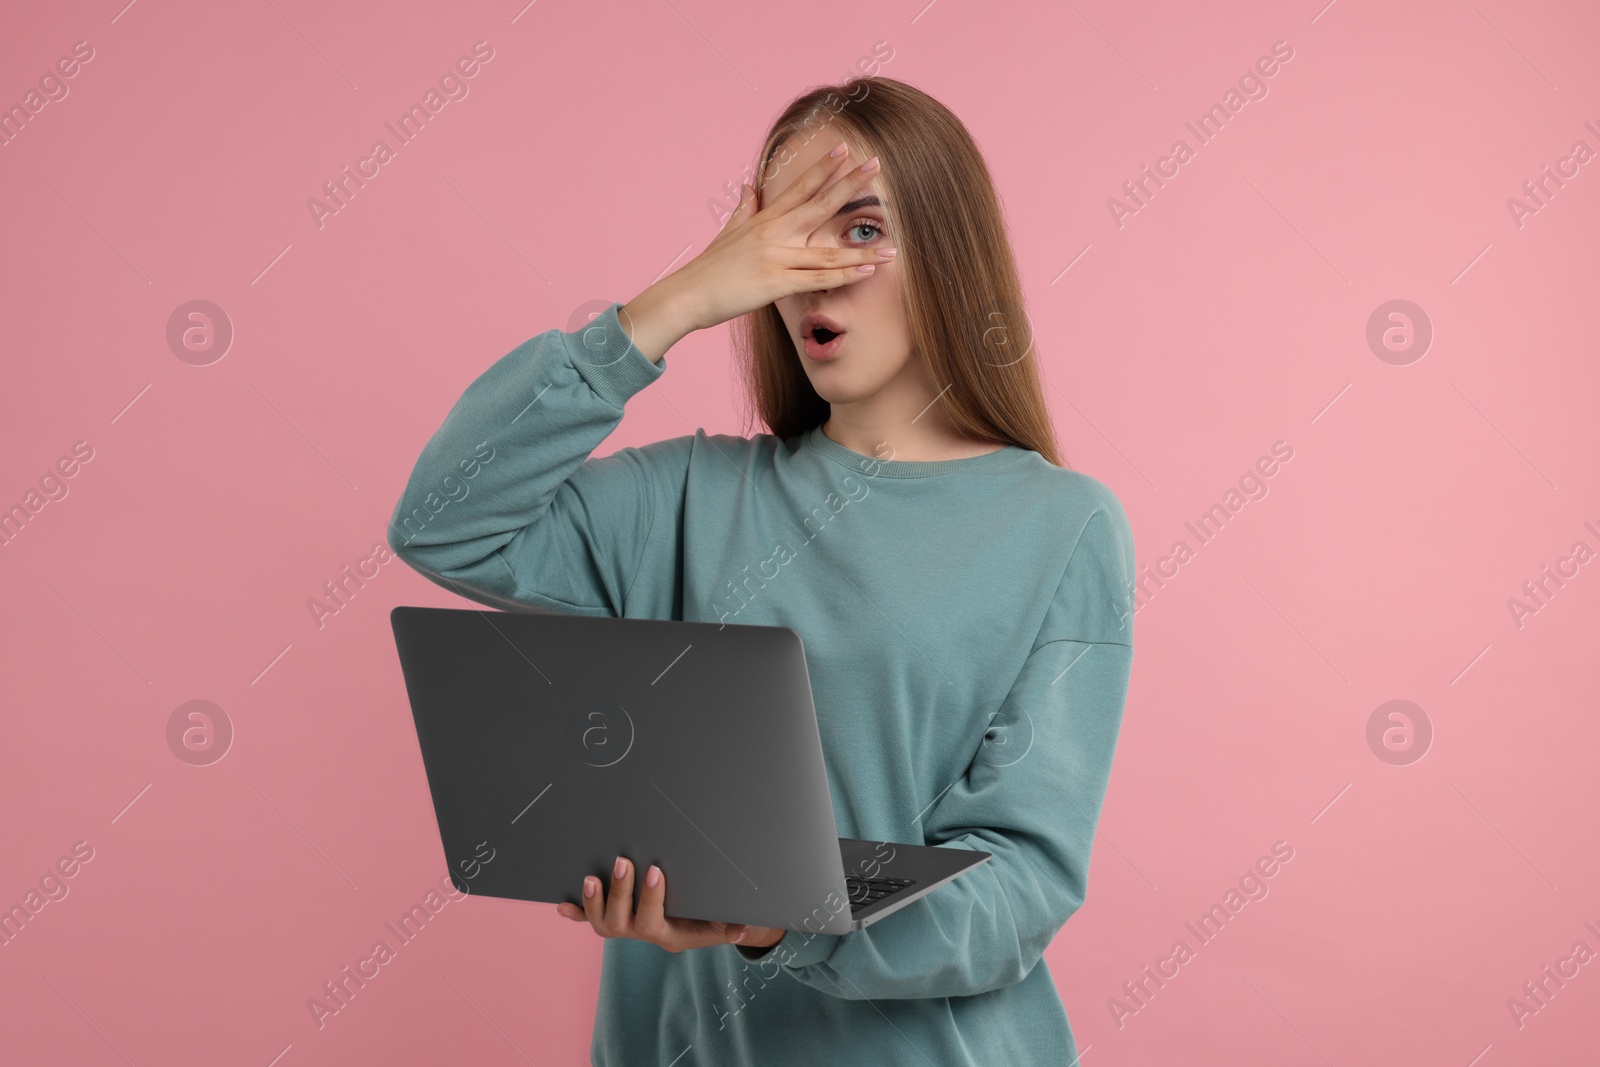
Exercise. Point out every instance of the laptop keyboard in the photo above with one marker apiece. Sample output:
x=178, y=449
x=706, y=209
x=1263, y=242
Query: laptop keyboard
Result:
x=866, y=891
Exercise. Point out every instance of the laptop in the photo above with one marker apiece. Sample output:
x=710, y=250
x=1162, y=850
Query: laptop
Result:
x=554, y=743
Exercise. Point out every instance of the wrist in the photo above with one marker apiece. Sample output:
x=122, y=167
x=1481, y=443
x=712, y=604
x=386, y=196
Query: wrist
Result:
x=681, y=308
x=658, y=318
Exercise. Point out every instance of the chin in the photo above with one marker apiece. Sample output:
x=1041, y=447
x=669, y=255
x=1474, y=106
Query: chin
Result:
x=838, y=392
x=836, y=400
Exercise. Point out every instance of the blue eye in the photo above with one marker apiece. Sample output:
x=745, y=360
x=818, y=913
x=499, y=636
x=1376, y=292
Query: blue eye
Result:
x=867, y=224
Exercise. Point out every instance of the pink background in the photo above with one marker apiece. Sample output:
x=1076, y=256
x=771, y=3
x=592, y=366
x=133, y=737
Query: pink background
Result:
x=1227, y=314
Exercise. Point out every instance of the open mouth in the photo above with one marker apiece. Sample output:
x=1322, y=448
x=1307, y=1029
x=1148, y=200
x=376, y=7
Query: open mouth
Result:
x=822, y=343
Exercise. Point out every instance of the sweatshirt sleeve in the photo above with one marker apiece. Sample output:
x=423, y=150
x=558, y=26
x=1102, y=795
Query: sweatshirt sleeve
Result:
x=504, y=505
x=1031, y=796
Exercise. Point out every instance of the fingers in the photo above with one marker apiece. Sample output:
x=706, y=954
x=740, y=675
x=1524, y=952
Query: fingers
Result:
x=611, y=913
x=819, y=257
x=650, y=922
x=823, y=205
x=594, y=903
x=815, y=177
x=618, y=915
x=743, y=210
x=814, y=280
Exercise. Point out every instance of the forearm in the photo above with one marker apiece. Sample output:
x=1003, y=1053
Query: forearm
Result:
x=1036, y=817
x=504, y=498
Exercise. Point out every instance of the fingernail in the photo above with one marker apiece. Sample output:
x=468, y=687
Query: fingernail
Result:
x=888, y=253
x=740, y=938
x=652, y=876
x=871, y=164
x=588, y=887
x=867, y=268
x=839, y=150
x=620, y=869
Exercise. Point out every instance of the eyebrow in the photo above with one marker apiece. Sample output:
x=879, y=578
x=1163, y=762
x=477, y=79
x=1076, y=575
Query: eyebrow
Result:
x=860, y=202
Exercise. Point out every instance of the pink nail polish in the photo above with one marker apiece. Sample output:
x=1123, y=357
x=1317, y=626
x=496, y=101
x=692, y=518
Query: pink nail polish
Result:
x=620, y=869
x=588, y=887
x=838, y=150
x=652, y=877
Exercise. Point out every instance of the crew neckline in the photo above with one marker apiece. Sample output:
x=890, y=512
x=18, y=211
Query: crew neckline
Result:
x=864, y=464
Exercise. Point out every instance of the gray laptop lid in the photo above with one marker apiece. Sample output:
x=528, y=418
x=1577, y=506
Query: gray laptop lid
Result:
x=554, y=743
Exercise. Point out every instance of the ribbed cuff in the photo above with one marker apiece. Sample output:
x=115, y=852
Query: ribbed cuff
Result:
x=758, y=953
x=795, y=949
x=608, y=359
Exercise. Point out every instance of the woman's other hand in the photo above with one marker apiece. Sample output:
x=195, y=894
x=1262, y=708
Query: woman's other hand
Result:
x=611, y=914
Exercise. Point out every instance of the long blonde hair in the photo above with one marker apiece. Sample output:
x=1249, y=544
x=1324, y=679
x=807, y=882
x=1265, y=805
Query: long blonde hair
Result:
x=958, y=273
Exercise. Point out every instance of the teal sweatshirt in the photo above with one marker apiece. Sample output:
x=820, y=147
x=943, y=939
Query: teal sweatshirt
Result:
x=968, y=628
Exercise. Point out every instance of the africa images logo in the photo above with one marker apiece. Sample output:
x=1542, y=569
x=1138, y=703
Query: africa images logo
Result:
x=599, y=732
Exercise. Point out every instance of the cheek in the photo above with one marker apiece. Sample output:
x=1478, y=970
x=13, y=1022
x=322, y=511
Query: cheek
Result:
x=882, y=293
x=878, y=285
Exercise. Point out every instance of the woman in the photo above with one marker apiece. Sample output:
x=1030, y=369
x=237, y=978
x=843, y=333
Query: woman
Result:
x=962, y=596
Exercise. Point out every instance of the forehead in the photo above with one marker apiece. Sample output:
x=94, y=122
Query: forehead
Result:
x=796, y=155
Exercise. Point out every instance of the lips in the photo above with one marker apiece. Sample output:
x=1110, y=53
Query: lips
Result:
x=820, y=327
x=820, y=336
x=820, y=351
